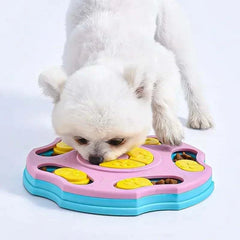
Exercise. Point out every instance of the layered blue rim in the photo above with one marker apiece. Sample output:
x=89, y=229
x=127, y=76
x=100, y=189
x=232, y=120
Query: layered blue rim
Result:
x=120, y=207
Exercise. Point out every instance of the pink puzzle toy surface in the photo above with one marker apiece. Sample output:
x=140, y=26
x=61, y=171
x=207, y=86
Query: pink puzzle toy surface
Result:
x=155, y=177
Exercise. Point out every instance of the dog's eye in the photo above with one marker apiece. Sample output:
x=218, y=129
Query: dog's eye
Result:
x=81, y=141
x=116, y=141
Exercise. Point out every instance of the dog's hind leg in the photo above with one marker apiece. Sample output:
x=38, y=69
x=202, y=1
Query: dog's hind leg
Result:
x=173, y=33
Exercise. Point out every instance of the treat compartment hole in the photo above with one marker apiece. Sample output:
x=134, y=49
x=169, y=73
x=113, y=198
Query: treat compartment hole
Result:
x=50, y=169
x=45, y=153
x=139, y=182
x=180, y=155
x=186, y=161
x=165, y=180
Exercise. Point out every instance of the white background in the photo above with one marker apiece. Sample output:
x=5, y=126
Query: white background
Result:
x=31, y=39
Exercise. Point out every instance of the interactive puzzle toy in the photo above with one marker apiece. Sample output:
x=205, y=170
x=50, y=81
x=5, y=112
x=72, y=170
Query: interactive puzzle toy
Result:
x=149, y=178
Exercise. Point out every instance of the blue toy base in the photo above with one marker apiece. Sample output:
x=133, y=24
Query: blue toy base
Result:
x=121, y=207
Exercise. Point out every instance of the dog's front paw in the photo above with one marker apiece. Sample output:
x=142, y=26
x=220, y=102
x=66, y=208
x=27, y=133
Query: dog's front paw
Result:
x=198, y=120
x=170, y=133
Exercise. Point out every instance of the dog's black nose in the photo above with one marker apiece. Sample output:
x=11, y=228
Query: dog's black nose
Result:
x=95, y=159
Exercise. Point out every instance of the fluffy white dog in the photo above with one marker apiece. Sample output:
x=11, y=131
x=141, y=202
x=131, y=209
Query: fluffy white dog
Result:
x=122, y=63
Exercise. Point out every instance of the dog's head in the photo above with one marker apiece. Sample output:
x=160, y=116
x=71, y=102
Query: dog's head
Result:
x=102, y=114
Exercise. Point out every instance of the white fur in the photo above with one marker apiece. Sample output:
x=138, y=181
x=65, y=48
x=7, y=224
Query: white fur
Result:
x=52, y=81
x=122, y=58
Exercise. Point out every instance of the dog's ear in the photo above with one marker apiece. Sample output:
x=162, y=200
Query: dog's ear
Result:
x=139, y=81
x=52, y=82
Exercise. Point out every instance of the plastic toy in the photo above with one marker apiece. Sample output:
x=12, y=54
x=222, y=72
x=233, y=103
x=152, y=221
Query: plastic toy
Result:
x=152, y=177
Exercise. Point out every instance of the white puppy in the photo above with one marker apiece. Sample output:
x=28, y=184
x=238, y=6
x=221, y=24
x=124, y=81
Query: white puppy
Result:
x=122, y=63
